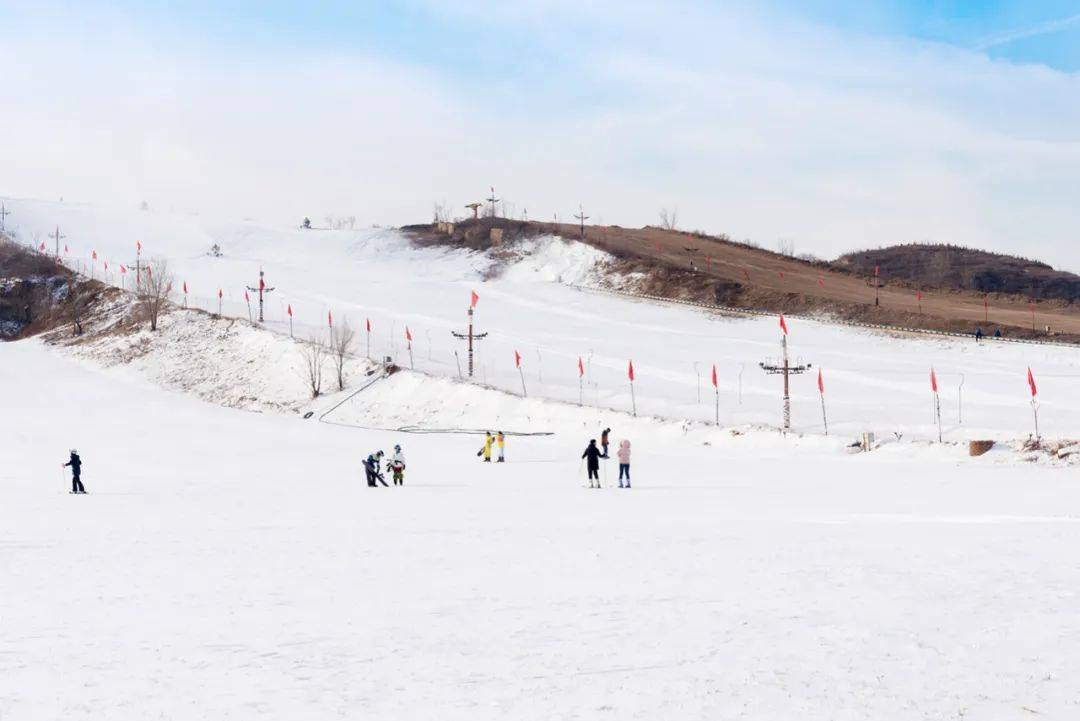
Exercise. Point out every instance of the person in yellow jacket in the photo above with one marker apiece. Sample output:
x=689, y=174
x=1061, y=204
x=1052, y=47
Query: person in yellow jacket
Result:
x=500, y=441
x=486, y=450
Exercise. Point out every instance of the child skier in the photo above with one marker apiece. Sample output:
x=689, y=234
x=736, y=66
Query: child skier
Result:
x=592, y=462
x=624, y=462
x=76, y=470
x=485, y=451
x=500, y=440
x=397, y=466
x=604, y=440
x=371, y=468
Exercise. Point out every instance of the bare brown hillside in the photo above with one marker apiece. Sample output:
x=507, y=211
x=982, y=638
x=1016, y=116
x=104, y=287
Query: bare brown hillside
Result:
x=718, y=270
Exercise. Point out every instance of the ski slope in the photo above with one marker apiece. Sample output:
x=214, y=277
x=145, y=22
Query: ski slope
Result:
x=229, y=564
x=873, y=382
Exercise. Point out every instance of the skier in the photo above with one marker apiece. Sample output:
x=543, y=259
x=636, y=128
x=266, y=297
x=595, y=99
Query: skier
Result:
x=624, y=462
x=76, y=471
x=978, y=335
x=371, y=467
x=485, y=450
x=500, y=440
x=397, y=466
x=604, y=441
x=592, y=463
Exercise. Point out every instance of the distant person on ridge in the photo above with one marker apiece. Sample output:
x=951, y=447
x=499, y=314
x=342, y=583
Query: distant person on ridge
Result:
x=592, y=463
x=604, y=441
x=624, y=462
x=500, y=441
x=76, y=470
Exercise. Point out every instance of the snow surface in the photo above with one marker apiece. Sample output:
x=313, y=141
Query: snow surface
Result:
x=874, y=382
x=230, y=564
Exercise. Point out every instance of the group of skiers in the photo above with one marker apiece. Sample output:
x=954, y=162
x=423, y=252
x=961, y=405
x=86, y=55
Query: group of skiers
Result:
x=593, y=455
x=395, y=466
x=497, y=441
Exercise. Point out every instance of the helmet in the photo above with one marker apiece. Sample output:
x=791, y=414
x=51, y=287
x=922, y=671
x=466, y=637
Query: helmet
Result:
x=397, y=448
x=74, y=452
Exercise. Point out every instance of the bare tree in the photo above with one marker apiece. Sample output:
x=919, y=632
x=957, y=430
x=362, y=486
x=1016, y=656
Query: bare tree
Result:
x=155, y=289
x=440, y=212
x=341, y=341
x=669, y=219
x=314, y=353
x=786, y=246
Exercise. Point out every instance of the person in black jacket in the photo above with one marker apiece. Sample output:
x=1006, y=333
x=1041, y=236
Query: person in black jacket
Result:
x=76, y=470
x=592, y=462
x=371, y=470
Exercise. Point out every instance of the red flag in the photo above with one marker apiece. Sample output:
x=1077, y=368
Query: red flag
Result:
x=821, y=282
x=93, y=254
x=475, y=299
x=262, y=284
x=877, y=270
x=368, y=324
x=106, y=265
x=65, y=249
x=41, y=247
x=630, y=371
x=933, y=380
x=1031, y=384
x=138, y=246
x=330, y=318
x=408, y=334
x=918, y=295
x=781, y=275
x=580, y=367
x=820, y=382
x=783, y=324
x=247, y=298
x=123, y=269
x=220, y=294
x=185, y=287
x=517, y=359
x=289, y=310
x=714, y=382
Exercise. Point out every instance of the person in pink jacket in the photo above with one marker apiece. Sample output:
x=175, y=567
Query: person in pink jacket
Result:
x=624, y=463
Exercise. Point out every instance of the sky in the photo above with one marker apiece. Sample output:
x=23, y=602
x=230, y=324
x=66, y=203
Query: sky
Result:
x=834, y=124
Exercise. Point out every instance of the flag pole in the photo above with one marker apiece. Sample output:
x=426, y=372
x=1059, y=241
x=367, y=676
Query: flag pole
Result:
x=821, y=392
x=522, y=374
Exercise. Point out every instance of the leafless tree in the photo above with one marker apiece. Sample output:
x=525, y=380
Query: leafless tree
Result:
x=313, y=353
x=669, y=219
x=341, y=341
x=785, y=246
x=352, y=222
x=440, y=213
x=155, y=289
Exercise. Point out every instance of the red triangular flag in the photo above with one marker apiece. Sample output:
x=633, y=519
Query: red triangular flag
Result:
x=408, y=334
x=138, y=246
x=781, y=275
x=918, y=295
x=1031, y=384
x=580, y=367
x=368, y=324
x=93, y=254
x=714, y=380
x=474, y=300
x=123, y=269
x=783, y=324
x=220, y=294
x=247, y=298
x=185, y=287
x=630, y=371
x=517, y=359
x=42, y=246
x=262, y=284
x=820, y=382
x=65, y=249
x=933, y=380
x=821, y=282
x=289, y=310
x=330, y=318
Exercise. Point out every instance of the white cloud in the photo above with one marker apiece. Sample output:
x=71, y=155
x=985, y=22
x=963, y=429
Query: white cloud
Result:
x=759, y=126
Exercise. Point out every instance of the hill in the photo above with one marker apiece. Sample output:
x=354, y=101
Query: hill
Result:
x=715, y=269
x=965, y=269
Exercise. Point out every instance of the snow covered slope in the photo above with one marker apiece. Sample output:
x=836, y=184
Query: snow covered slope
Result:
x=228, y=564
x=873, y=382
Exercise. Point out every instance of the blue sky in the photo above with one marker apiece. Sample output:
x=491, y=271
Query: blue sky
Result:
x=835, y=123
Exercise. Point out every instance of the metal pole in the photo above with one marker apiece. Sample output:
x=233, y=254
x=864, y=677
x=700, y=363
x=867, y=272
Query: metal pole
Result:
x=787, y=395
x=470, y=342
x=697, y=371
x=718, y=406
x=1035, y=411
x=824, y=418
x=937, y=411
x=960, y=401
x=633, y=400
x=522, y=374
x=742, y=367
x=458, y=359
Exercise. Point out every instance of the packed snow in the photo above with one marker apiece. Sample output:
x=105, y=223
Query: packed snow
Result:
x=233, y=564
